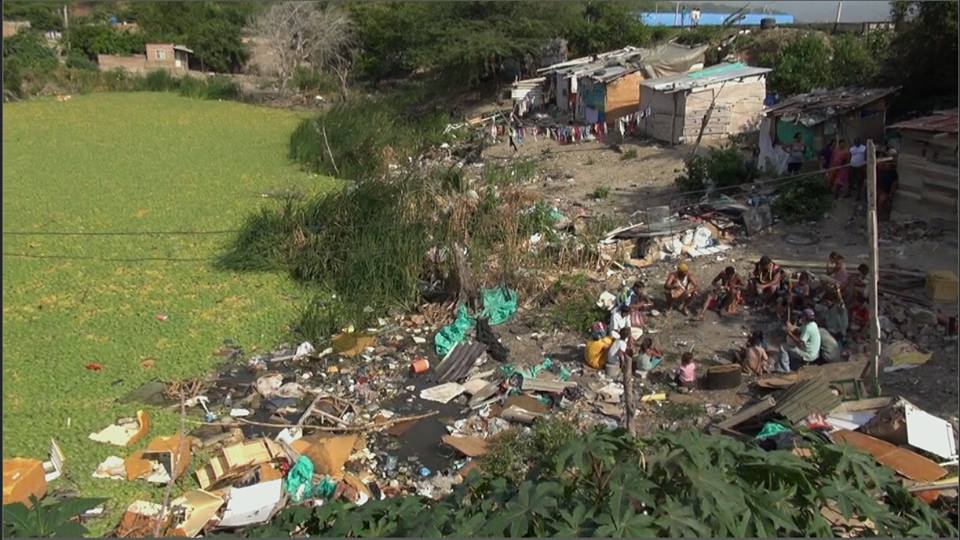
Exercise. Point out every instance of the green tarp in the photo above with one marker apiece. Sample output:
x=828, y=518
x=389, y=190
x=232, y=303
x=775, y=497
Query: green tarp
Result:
x=499, y=304
x=772, y=428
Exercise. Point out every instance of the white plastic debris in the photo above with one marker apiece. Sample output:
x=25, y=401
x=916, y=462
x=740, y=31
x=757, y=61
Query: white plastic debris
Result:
x=305, y=349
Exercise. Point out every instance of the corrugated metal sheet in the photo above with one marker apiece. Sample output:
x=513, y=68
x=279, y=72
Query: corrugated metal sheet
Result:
x=945, y=122
x=705, y=77
x=806, y=398
x=820, y=105
x=459, y=361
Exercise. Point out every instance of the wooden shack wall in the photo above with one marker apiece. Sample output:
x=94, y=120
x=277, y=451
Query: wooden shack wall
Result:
x=665, y=122
x=927, y=174
x=738, y=109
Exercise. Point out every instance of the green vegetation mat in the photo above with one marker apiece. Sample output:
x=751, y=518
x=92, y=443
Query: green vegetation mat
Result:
x=129, y=162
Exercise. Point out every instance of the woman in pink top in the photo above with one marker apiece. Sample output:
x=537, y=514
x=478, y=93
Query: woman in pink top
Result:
x=838, y=179
x=686, y=375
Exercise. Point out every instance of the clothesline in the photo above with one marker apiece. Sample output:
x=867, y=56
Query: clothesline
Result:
x=519, y=130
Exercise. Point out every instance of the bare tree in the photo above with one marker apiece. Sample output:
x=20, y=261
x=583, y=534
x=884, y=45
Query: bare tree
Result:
x=305, y=34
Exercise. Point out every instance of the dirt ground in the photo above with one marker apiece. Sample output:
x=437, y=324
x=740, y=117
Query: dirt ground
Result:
x=574, y=172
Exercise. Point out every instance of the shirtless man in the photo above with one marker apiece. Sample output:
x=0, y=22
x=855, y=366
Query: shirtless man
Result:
x=766, y=279
x=725, y=295
x=680, y=288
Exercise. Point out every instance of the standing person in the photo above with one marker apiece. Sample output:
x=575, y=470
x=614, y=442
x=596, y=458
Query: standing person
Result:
x=695, y=16
x=886, y=186
x=858, y=169
x=804, y=347
x=839, y=161
x=837, y=271
x=680, y=288
x=726, y=294
x=797, y=151
x=826, y=153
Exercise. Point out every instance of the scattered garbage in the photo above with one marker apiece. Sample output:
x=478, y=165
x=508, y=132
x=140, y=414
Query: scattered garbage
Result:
x=124, y=432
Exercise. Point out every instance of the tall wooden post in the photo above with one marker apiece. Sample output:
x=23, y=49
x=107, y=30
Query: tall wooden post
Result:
x=874, y=258
x=628, y=391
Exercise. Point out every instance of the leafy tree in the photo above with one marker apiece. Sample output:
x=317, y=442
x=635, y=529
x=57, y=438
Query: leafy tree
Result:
x=608, y=25
x=43, y=15
x=800, y=66
x=26, y=52
x=93, y=39
x=857, y=60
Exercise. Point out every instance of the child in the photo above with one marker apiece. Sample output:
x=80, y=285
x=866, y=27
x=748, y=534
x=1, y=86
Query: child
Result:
x=686, y=374
x=859, y=316
x=649, y=357
x=755, y=357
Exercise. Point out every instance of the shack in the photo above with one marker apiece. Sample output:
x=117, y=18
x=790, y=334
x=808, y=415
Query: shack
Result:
x=527, y=94
x=728, y=96
x=822, y=115
x=926, y=165
x=561, y=78
x=612, y=90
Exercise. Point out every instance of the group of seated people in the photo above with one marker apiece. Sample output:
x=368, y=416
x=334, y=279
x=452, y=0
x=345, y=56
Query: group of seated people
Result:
x=820, y=315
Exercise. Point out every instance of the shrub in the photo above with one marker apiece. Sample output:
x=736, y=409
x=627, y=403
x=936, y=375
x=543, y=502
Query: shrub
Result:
x=77, y=60
x=26, y=54
x=601, y=192
x=724, y=167
x=221, y=87
x=800, y=66
x=308, y=80
x=160, y=81
x=629, y=154
x=803, y=199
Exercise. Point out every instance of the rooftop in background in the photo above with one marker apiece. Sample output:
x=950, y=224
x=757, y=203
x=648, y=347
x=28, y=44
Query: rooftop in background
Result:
x=704, y=77
x=709, y=19
x=940, y=122
x=820, y=105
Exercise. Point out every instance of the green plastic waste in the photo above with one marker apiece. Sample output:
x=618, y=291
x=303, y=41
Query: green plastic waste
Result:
x=448, y=336
x=530, y=372
x=299, y=483
x=326, y=487
x=555, y=215
x=771, y=429
x=499, y=304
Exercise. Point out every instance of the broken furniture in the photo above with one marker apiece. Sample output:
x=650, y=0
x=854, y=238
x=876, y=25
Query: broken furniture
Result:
x=164, y=458
x=234, y=462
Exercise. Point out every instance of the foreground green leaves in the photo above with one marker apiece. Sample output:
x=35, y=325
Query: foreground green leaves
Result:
x=47, y=519
x=693, y=485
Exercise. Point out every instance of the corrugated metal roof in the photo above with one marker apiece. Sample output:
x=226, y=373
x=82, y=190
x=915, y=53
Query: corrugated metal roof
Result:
x=578, y=62
x=705, y=77
x=943, y=122
x=529, y=83
x=820, y=105
x=806, y=398
x=459, y=361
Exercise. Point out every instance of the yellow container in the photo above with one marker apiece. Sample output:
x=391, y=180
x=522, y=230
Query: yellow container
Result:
x=942, y=286
x=22, y=478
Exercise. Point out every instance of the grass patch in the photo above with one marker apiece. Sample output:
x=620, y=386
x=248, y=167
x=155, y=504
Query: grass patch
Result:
x=629, y=154
x=601, y=192
x=129, y=162
x=678, y=412
x=513, y=452
x=570, y=304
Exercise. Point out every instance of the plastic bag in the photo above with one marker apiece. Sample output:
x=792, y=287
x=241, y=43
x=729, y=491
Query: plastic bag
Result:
x=299, y=482
x=499, y=304
x=448, y=336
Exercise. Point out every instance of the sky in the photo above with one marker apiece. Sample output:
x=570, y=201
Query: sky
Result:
x=823, y=10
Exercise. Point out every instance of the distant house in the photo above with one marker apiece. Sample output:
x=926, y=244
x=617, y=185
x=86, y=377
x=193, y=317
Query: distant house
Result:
x=926, y=165
x=10, y=28
x=606, y=87
x=527, y=94
x=822, y=115
x=673, y=108
x=173, y=58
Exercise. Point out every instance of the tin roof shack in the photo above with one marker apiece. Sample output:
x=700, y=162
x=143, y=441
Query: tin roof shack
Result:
x=676, y=106
x=561, y=78
x=612, y=90
x=821, y=115
x=527, y=94
x=926, y=166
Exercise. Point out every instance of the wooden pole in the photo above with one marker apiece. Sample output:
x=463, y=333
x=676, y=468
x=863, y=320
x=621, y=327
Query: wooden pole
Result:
x=874, y=258
x=628, y=391
x=837, y=22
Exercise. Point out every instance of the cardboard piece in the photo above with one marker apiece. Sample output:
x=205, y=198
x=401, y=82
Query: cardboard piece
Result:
x=611, y=410
x=901, y=460
x=198, y=507
x=140, y=519
x=778, y=382
x=54, y=467
x=23, y=477
x=527, y=403
x=235, y=461
x=351, y=345
x=329, y=454
x=251, y=505
x=442, y=393
x=468, y=446
x=473, y=386
x=124, y=434
x=156, y=463
x=516, y=414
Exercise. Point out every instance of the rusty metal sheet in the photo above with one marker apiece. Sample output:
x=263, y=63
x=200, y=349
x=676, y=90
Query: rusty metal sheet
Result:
x=906, y=463
x=458, y=363
x=806, y=398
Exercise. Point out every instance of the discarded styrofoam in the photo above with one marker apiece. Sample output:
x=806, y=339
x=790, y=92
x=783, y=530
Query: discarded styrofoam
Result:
x=113, y=468
x=606, y=301
x=929, y=433
x=305, y=349
x=442, y=393
x=251, y=505
x=125, y=433
x=54, y=467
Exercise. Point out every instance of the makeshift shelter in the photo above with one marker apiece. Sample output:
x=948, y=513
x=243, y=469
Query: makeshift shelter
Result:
x=527, y=94
x=674, y=108
x=561, y=78
x=611, y=91
x=926, y=165
x=822, y=115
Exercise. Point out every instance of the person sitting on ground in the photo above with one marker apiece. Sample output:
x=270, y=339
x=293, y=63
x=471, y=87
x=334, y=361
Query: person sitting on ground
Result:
x=619, y=327
x=830, y=349
x=649, y=357
x=726, y=294
x=804, y=347
x=753, y=357
x=595, y=354
x=680, y=288
x=686, y=374
x=859, y=317
x=638, y=302
x=856, y=283
x=766, y=280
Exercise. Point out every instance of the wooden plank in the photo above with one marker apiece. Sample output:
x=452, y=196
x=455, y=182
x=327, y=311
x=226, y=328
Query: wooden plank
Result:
x=468, y=446
x=905, y=462
x=752, y=411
